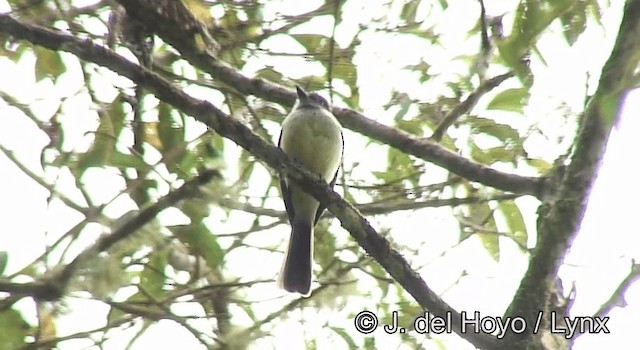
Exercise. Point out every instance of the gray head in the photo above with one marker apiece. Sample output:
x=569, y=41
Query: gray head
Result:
x=310, y=100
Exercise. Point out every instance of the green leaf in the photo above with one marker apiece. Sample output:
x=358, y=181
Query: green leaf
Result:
x=532, y=17
x=405, y=104
x=511, y=100
x=137, y=304
x=116, y=314
x=377, y=270
x=325, y=245
x=235, y=103
x=313, y=43
x=411, y=125
x=14, y=329
x=117, y=115
x=246, y=166
x=152, y=277
x=268, y=73
x=123, y=160
x=407, y=313
x=574, y=21
x=595, y=11
x=500, y=154
x=490, y=241
x=370, y=343
x=209, y=149
x=609, y=108
x=492, y=155
x=217, y=143
x=409, y=11
x=172, y=137
x=399, y=165
x=188, y=162
x=103, y=146
x=195, y=210
x=48, y=63
x=207, y=154
x=484, y=225
x=313, y=82
x=515, y=221
x=540, y=164
x=201, y=242
x=4, y=258
x=346, y=336
x=344, y=69
x=199, y=9
x=504, y=133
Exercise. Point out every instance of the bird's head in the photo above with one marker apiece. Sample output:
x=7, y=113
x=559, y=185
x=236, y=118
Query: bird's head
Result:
x=313, y=100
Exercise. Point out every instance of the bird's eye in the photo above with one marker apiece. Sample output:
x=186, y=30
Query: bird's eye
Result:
x=319, y=99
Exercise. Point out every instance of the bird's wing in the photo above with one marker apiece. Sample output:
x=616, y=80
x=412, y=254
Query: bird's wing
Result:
x=286, y=191
x=322, y=208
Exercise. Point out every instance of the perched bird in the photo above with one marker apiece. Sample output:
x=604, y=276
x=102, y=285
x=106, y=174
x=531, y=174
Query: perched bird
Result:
x=311, y=136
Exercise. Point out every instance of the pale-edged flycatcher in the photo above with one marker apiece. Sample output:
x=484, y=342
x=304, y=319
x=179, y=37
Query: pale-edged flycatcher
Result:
x=311, y=136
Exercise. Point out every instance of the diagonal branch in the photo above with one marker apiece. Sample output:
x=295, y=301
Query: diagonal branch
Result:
x=53, y=285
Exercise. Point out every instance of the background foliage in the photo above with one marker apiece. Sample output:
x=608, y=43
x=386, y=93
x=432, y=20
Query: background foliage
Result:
x=164, y=229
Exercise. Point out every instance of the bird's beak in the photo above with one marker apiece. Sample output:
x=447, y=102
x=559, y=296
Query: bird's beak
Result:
x=302, y=95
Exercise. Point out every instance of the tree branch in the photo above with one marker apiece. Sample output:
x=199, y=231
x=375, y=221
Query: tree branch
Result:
x=617, y=297
x=53, y=285
x=560, y=217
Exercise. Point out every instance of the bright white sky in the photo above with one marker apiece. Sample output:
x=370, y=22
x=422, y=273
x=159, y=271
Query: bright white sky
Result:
x=599, y=259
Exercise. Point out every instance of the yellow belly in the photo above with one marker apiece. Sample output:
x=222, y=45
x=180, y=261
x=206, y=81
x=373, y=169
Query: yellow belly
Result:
x=313, y=138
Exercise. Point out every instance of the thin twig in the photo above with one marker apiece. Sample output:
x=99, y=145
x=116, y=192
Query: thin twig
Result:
x=466, y=105
x=617, y=297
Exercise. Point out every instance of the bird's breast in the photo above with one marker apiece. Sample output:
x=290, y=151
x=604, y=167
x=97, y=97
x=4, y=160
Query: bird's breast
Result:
x=314, y=139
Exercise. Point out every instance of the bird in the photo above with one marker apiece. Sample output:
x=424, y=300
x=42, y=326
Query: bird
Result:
x=312, y=136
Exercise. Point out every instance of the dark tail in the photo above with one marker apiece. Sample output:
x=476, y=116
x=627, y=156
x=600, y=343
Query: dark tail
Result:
x=295, y=276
